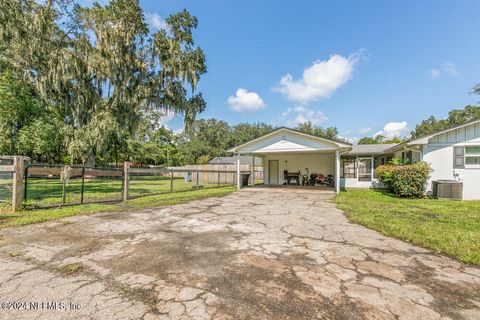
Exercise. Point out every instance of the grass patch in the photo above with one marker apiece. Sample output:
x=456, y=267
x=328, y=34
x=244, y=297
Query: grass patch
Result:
x=449, y=227
x=11, y=219
x=45, y=191
x=71, y=268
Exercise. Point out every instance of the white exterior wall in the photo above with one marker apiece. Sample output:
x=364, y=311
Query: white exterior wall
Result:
x=323, y=163
x=354, y=183
x=440, y=159
x=438, y=153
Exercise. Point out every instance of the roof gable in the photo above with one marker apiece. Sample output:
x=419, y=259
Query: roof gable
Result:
x=469, y=131
x=288, y=140
x=424, y=139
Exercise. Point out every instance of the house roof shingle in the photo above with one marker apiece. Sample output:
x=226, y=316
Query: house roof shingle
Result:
x=370, y=149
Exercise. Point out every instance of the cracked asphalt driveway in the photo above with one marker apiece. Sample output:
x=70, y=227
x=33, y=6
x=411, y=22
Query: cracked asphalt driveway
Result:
x=255, y=254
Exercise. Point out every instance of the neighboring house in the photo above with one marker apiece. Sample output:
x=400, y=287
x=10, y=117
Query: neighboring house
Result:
x=244, y=160
x=453, y=154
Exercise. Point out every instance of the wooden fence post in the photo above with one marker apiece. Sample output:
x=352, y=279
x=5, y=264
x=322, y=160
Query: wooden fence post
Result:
x=17, y=192
x=126, y=166
x=171, y=181
x=83, y=184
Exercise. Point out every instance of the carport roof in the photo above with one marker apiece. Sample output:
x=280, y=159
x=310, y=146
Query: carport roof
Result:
x=337, y=142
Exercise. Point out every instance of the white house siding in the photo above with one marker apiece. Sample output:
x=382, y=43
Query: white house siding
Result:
x=315, y=162
x=354, y=183
x=469, y=134
x=438, y=153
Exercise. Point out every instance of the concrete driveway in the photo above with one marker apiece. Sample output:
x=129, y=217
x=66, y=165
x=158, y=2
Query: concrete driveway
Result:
x=255, y=254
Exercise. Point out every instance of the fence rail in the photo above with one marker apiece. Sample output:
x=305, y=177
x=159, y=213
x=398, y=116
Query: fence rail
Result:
x=24, y=185
x=47, y=185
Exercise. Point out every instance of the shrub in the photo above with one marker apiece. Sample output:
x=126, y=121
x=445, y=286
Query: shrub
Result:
x=385, y=173
x=405, y=180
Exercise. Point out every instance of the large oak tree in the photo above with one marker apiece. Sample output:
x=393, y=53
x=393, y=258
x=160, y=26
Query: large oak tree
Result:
x=101, y=67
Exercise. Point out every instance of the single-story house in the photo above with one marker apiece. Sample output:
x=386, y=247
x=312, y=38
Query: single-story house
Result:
x=453, y=154
x=244, y=160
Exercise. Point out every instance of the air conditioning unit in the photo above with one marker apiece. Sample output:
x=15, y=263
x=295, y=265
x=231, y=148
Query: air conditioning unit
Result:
x=447, y=189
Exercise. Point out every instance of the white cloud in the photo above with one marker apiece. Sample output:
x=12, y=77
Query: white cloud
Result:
x=245, y=101
x=394, y=129
x=352, y=140
x=156, y=22
x=178, y=132
x=448, y=68
x=319, y=80
x=299, y=114
x=167, y=116
x=364, y=130
x=433, y=74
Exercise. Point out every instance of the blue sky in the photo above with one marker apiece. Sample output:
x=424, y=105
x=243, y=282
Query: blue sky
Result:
x=356, y=65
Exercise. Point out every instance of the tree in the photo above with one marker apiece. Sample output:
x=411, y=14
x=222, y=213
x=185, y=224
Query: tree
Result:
x=455, y=117
x=102, y=64
x=380, y=139
x=18, y=108
x=310, y=128
x=212, y=138
x=42, y=140
x=206, y=138
x=243, y=132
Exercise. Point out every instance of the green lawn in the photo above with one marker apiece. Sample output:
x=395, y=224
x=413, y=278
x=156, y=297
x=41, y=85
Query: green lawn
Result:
x=449, y=227
x=9, y=219
x=43, y=192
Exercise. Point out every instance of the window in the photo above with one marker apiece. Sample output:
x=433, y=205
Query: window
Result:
x=472, y=155
x=347, y=168
x=458, y=157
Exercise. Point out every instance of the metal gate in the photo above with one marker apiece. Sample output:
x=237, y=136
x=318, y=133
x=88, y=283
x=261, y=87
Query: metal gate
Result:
x=58, y=185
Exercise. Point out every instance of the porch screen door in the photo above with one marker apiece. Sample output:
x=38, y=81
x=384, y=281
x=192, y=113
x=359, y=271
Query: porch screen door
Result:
x=365, y=169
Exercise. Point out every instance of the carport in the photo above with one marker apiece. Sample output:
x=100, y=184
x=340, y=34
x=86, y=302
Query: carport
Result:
x=286, y=152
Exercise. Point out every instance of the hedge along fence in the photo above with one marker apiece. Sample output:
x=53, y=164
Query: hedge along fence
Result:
x=408, y=180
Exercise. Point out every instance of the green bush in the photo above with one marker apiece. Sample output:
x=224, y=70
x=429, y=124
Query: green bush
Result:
x=385, y=174
x=408, y=181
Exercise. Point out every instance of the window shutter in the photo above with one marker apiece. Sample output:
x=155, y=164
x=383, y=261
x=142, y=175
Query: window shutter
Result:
x=458, y=157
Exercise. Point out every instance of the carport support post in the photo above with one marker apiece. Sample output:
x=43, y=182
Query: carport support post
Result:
x=17, y=192
x=126, y=166
x=337, y=171
x=253, y=172
x=238, y=171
